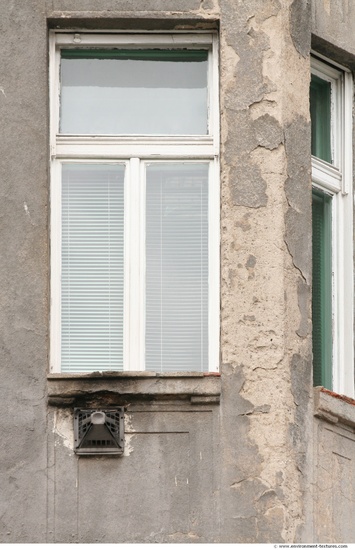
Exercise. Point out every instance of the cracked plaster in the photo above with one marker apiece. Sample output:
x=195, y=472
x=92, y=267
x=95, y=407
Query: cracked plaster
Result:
x=259, y=441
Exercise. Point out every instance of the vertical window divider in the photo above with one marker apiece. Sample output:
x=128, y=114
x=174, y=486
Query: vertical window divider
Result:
x=344, y=374
x=126, y=252
x=213, y=87
x=347, y=157
x=213, y=260
x=134, y=243
x=142, y=262
x=335, y=100
x=54, y=87
x=336, y=259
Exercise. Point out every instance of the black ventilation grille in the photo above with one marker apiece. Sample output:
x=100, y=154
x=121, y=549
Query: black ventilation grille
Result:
x=99, y=431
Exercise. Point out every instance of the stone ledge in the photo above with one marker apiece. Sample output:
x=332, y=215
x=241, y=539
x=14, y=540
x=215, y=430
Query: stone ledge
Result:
x=67, y=389
x=334, y=408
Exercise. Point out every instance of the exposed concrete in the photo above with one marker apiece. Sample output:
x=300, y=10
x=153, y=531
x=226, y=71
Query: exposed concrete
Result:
x=300, y=25
x=298, y=194
x=66, y=390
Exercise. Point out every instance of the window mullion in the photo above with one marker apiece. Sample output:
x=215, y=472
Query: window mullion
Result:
x=213, y=260
x=343, y=376
x=347, y=129
x=134, y=275
x=213, y=86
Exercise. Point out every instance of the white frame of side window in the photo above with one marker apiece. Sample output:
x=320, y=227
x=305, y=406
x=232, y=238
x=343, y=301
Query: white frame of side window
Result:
x=134, y=151
x=336, y=180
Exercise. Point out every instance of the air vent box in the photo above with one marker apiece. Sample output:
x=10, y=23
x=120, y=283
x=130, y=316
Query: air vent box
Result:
x=99, y=431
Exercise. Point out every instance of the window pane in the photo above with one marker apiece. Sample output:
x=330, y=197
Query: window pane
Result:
x=177, y=267
x=320, y=99
x=134, y=92
x=92, y=267
x=322, y=290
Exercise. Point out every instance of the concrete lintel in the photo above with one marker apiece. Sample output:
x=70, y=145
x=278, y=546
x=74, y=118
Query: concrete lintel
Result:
x=333, y=408
x=63, y=389
x=130, y=21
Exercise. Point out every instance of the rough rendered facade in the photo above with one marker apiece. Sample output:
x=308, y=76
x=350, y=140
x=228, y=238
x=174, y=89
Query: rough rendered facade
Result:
x=254, y=453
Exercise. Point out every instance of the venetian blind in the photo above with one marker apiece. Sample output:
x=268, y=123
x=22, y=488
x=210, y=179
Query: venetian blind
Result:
x=321, y=292
x=92, y=267
x=177, y=267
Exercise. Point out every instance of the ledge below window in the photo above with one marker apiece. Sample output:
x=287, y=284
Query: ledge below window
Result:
x=334, y=408
x=69, y=389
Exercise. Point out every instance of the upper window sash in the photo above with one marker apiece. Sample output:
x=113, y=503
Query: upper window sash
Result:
x=335, y=176
x=185, y=42
x=330, y=100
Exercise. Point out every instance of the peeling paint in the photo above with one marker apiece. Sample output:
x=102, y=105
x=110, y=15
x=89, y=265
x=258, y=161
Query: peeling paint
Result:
x=252, y=484
x=128, y=446
x=63, y=428
x=27, y=211
x=129, y=435
x=298, y=217
x=300, y=24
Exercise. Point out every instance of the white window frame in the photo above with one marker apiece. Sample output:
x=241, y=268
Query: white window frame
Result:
x=336, y=181
x=135, y=152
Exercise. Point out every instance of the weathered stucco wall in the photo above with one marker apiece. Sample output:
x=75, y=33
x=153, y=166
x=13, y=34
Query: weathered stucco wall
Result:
x=234, y=471
x=333, y=35
x=334, y=468
x=23, y=271
x=265, y=261
x=333, y=28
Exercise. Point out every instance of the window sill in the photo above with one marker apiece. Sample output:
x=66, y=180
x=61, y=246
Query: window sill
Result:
x=68, y=389
x=334, y=408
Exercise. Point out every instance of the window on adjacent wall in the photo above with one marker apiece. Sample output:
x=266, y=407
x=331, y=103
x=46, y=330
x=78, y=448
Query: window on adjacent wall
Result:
x=332, y=204
x=134, y=202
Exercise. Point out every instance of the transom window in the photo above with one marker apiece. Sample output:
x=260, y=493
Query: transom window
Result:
x=134, y=202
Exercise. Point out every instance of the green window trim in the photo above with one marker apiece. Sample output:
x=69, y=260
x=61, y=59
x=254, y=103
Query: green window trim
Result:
x=137, y=54
x=322, y=289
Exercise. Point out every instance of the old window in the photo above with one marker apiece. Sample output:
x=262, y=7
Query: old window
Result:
x=332, y=304
x=134, y=202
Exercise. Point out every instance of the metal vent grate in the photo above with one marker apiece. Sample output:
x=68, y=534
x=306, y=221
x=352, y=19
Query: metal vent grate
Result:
x=99, y=431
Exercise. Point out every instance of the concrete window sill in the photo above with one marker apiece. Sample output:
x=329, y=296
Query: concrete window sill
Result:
x=68, y=389
x=334, y=408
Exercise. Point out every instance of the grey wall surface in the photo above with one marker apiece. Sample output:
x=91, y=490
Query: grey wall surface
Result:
x=333, y=35
x=334, y=468
x=162, y=490
x=333, y=27
x=24, y=271
x=194, y=469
